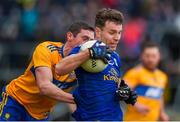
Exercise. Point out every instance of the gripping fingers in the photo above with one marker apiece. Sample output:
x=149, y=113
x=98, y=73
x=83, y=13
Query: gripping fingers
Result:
x=123, y=94
x=106, y=58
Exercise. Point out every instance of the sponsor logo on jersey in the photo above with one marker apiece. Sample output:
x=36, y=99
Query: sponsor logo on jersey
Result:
x=112, y=75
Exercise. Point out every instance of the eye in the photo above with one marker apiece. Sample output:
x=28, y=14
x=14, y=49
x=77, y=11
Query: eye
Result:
x=111, y=32
x=119, y=32
x=85, y=38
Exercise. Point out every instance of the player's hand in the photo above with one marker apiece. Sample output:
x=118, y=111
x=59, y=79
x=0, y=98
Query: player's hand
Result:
x=164, y=117
x=132, y=98
x=123, y=91
x=126, y=93
x=98, y=51
x=142, y=109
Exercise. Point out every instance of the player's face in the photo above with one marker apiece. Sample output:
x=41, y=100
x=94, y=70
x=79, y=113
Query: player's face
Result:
x=150, y=57
x=110, y=34
x=83, y=36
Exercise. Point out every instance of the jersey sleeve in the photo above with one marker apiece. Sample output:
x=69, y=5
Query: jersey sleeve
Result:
x=42, y=57
x=75, y=50
x=131, y=78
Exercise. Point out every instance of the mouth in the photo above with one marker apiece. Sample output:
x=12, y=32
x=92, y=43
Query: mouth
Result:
x=113, y=46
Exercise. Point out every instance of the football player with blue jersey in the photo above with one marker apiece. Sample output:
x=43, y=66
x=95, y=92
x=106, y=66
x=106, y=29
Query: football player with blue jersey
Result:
x=97, y=95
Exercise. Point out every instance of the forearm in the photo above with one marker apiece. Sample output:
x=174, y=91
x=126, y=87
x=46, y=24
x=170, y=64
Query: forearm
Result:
x=44, y=79
x=50, y=90
x=162, y=111
x=161, y=105
x=68, y=64
x=163, y=115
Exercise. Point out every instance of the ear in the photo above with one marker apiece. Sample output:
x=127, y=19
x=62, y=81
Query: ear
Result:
x=98, y=32
x=141, y=57
x=69, y=36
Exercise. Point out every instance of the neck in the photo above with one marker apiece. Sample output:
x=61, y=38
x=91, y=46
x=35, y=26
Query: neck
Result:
x=98, y=38
x=149, y=69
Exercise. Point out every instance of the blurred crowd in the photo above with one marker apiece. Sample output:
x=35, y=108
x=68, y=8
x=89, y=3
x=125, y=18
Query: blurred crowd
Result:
x=157, y=20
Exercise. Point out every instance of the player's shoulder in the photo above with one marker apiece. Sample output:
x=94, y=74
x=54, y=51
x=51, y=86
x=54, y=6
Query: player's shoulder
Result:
x=136, y=69
x=161, y=73
x=50, y=44
x=115, y=54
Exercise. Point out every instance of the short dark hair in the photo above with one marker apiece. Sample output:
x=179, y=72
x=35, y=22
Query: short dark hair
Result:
x=107, y=14
x=76, y=27
x=149, y=44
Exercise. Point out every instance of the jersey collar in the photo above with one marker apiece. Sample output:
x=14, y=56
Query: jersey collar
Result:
x=61, y=51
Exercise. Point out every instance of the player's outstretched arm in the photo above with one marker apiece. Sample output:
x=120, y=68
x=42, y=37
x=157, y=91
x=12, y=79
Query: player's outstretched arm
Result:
x=70, y=63
x=46, y=87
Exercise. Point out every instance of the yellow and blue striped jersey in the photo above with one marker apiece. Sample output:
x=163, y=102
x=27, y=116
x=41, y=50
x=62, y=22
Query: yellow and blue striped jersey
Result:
x=24, y=89
x=149, y=86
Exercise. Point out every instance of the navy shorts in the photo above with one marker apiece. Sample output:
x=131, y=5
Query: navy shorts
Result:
x=11, y=110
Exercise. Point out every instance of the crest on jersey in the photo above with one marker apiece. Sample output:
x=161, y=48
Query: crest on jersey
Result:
x=7, y=116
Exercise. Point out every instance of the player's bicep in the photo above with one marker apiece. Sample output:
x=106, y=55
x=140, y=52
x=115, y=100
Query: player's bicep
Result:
x=43, y=76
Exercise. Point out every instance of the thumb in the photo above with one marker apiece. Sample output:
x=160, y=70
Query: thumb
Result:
x=105, y=60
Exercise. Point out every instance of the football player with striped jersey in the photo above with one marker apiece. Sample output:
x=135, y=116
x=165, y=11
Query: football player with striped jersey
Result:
x=32, y=95
x=149, y=82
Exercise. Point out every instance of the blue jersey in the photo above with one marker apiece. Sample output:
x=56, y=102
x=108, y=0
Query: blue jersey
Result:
x=95, y=94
